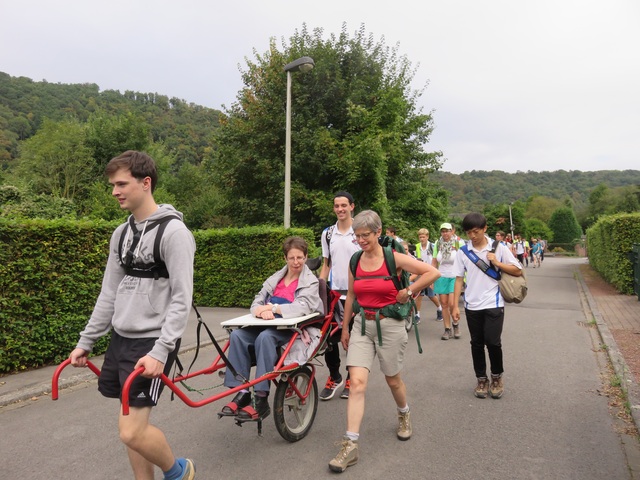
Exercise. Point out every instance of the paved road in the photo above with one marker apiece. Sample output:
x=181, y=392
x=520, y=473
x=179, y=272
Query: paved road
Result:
x=551, y=423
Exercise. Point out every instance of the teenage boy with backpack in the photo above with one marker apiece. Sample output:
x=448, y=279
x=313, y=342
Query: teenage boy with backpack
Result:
x=145, y=301
x=338, y=244
x=483, y=303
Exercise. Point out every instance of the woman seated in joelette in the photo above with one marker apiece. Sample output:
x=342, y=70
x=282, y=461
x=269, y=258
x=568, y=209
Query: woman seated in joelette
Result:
x=290, y=292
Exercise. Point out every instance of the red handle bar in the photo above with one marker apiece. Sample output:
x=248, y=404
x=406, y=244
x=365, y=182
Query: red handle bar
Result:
x=62, y=366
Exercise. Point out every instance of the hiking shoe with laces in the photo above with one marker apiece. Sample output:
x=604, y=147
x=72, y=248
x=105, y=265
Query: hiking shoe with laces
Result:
x=456, y=330
x=446, y=335
x=496, y=389
x=439, y=316
x=482, y=389
x=404, y=426
x=347, y=456
x=329, y=389
x=346, y=389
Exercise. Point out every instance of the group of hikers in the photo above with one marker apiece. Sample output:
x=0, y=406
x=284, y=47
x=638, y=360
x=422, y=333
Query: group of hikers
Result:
x=147, y=292
x=524, y=250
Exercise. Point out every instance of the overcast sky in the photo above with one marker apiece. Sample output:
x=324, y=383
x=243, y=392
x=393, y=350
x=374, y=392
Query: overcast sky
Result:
x=513, y=85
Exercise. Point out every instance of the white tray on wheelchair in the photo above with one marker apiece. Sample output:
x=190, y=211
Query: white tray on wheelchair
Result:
x=249, y=320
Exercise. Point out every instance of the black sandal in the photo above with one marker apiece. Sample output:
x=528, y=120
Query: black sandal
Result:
x=242, y=399
x=249, y=413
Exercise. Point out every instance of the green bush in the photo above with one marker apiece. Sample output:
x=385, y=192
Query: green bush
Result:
x=609, y=241
x=231, y=264
x=51, y=273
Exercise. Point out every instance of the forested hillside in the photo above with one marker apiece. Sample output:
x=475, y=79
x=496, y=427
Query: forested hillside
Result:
x=184, y=128
x=471, y=191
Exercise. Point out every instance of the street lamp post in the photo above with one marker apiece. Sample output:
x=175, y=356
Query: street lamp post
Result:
x=302, y=64
x=511, y=221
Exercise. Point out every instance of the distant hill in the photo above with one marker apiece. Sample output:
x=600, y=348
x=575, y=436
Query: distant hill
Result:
x=471, y=191
x=183, y=127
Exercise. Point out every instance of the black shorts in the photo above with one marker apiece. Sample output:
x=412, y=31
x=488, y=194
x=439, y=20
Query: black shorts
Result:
x=119, y=361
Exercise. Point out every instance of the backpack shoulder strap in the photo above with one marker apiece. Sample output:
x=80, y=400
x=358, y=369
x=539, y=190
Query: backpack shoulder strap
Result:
x=390, y=262
x=327, y=237
x=353, y=262
x=162, y=224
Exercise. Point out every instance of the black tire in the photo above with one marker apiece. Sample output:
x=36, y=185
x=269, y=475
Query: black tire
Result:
x=293, y=418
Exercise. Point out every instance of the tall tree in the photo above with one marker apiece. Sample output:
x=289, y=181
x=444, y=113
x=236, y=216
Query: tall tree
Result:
x=355, y=126
x=565, y=226
x=110, y=135
x=56, y=161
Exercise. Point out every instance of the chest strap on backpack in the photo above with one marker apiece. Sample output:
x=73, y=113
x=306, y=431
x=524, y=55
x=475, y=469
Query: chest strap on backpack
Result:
x=155, y=270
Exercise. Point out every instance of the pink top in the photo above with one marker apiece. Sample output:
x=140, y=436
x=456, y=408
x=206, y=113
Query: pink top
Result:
x=286, y=291
x=374, y=292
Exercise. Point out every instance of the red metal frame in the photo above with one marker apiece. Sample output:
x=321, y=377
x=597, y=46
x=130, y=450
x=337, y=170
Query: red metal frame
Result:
x=329, y=327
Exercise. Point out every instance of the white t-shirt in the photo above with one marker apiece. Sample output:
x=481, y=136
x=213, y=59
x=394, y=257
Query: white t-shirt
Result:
x=426, y=254
x=482, y=291
x=342, y=247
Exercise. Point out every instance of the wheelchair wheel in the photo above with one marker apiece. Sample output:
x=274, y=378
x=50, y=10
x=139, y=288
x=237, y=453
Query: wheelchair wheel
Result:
x=293, y=416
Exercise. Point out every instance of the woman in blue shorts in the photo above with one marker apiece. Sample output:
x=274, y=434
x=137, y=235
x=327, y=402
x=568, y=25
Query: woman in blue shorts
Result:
x=444, y=254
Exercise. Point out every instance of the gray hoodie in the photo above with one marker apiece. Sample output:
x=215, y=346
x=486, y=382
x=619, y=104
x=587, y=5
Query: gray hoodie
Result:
x=306, y=297
x=145, y=307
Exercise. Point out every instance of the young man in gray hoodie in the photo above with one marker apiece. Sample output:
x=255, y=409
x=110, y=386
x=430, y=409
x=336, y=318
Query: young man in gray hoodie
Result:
x=145, y=301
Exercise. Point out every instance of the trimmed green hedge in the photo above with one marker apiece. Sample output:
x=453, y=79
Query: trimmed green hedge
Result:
x=609, y=241
x=232, y=264
x=51, y=273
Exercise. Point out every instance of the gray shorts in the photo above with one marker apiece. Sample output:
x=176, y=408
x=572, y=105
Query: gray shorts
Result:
x=428, y=292
x=363, y=348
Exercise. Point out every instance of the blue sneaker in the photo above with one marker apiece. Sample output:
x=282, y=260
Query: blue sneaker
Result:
x=189, y=472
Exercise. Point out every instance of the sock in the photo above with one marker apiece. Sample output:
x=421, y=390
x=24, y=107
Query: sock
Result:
x=353, y=436
x=176, y=470
x=405, y=409
x=440, y=308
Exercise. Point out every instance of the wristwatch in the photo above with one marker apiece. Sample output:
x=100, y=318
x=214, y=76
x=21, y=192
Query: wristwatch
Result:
x=274, y=308
x=409, y=292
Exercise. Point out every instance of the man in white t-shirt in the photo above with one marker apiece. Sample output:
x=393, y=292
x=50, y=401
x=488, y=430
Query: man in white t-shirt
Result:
x=338, y=245
x=483, y=303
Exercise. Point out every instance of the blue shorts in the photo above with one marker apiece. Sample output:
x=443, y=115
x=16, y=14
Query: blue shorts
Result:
x=444, y=285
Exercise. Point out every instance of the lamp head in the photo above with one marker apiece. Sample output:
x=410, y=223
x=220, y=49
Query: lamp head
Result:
x=302, y=64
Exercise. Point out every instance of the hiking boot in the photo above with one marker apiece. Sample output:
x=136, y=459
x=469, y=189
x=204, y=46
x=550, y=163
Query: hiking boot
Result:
x=456, y=330
x=404, y=426
x=482, y=389
x=347, y=456
x=496, y=389
x=346, y=389
x=329, y=389
x=446, y=335
x=439, y=316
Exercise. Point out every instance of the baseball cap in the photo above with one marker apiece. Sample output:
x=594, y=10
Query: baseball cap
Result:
x=446, y=226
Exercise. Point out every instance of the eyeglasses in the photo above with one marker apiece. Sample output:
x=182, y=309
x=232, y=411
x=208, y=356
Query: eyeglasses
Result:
x=363, y=236
x=295, y=259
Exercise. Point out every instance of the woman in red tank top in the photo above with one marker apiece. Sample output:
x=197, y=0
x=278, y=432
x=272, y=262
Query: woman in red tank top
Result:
x=373, y=294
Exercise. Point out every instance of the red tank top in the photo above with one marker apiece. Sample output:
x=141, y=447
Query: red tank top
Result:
x=374, y=292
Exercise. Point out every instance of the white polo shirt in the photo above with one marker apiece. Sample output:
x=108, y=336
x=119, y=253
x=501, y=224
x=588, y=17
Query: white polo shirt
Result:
x=482, y=291
x=342, y=247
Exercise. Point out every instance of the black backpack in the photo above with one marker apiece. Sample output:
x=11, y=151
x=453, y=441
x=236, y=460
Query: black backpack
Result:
x=154, y=270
